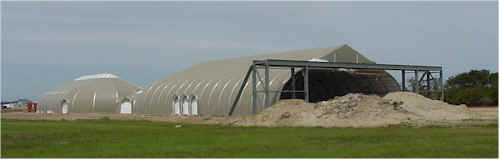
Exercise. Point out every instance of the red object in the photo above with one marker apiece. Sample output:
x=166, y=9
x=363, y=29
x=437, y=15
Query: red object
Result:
x=32, y=107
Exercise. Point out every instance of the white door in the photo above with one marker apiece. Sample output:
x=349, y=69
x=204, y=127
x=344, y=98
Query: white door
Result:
x=126, y=107
x=64, y=108
x=185, y=106
x=177, y=106
x=194, y=106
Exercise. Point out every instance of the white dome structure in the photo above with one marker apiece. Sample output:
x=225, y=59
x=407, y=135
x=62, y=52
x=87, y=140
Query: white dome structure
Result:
x=99, y=93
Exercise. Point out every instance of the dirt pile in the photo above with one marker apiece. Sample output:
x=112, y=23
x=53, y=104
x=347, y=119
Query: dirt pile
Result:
x=357, y=110
x=428, y=109
x=351, y=110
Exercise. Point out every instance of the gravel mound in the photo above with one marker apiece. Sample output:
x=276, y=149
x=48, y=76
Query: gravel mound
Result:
x=358, y=110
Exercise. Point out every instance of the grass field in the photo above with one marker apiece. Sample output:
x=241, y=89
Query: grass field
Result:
x=114, y=138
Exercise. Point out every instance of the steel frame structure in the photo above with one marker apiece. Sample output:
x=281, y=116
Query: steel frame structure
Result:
x=424, y=81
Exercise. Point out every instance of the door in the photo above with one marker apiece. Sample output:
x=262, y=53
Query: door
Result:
x=194, y=105
x=176, y=105
x=185, y=105
x=126, y=107
x=64, y=108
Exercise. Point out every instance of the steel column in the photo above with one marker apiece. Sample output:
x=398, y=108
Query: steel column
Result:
x=403, y=88
x=266, y=85
x=306, y=84
x=429, y=93
x=417, y=85
x=254, y=89
x=293, y=82
x=442, y=84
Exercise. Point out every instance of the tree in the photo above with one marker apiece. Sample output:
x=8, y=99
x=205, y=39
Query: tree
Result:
x=474, y=78
x=474, y=88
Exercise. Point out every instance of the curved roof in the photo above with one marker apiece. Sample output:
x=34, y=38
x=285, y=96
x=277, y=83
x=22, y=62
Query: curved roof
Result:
x=216, y=83
x=100, y=93
x=96, y=76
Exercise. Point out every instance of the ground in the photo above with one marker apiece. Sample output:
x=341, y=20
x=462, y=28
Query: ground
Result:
x=103, y=137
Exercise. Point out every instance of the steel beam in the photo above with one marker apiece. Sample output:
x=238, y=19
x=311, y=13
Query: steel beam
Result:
x=421, y=78
x=289, y=91
x=250, y=70
x=292, y=63
x=258, y=76
x=269, y=91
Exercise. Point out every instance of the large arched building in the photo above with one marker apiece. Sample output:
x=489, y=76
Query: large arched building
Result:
x=210, y=88
x=99, y=93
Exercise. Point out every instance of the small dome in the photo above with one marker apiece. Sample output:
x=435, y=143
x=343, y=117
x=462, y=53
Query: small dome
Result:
x=98, y=93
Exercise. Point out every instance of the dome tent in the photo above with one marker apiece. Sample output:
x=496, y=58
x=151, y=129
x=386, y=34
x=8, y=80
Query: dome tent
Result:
x=212, y=86
x=99, y=93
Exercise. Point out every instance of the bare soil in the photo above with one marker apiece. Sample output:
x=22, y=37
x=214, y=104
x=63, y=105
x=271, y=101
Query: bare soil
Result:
x=352, y=110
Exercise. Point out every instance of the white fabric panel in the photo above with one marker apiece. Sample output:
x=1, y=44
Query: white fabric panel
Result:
x=64, y=108
x=185, y=106
x=194, y=106
x=177, y=106
x=318, y=60
x=126, y=108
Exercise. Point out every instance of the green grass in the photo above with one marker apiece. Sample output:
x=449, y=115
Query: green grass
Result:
x=113, y=138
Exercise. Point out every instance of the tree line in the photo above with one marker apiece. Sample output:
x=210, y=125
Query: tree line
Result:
x=473, y=88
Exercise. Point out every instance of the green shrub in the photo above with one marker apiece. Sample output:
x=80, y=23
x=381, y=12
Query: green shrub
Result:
x=474, y=88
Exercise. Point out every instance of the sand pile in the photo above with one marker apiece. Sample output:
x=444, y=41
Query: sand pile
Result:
x=358, y=110
x=352, y=110
x=428, y=109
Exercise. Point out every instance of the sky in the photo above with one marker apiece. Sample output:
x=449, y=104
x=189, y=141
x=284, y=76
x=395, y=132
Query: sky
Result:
x=46, y=44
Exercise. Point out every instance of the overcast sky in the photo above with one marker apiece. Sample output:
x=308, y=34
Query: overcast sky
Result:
x=45, y=44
